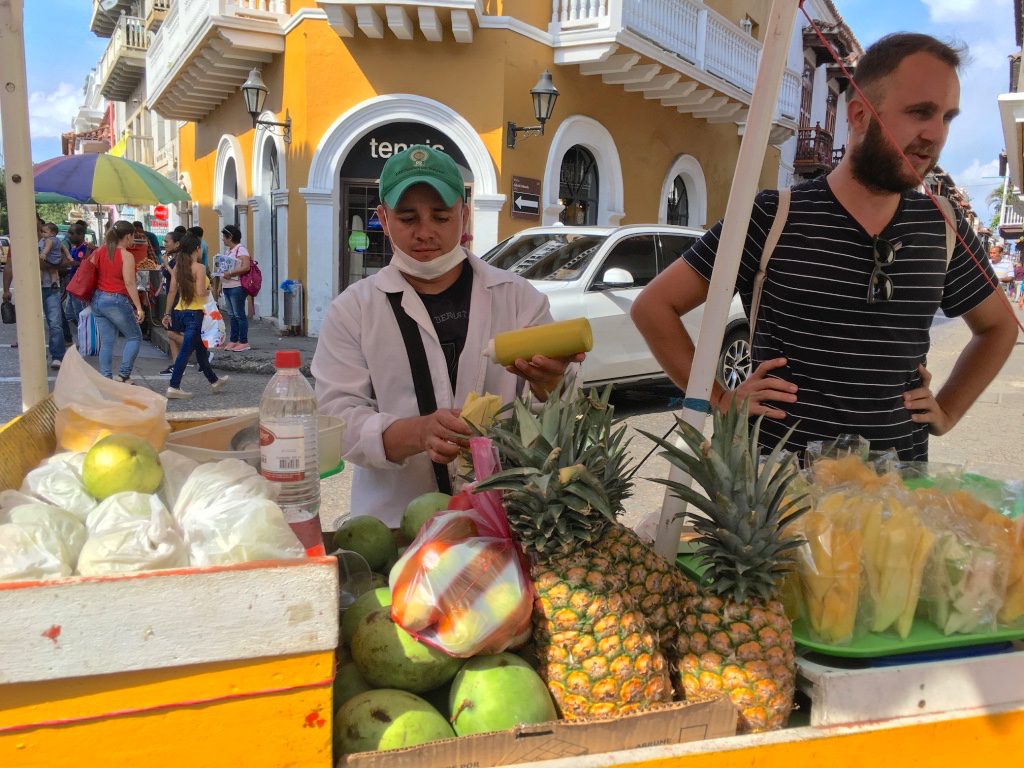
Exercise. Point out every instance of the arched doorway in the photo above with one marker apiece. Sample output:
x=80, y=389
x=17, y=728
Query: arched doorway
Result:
x=604, y=201
x=684, y=194
x=229, y=193
x=678, y=203
x=270, y=221
x=578, y=189
x=364, y=247
x=322, y=194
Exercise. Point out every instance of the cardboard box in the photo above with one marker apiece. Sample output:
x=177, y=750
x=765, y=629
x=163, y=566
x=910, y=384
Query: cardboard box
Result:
x=671, y=724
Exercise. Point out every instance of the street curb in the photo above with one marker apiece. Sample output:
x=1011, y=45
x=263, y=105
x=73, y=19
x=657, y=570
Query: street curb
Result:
x=255, y=361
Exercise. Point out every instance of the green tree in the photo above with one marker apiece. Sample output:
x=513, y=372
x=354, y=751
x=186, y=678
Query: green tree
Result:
x=995, y=199
x=55, y=212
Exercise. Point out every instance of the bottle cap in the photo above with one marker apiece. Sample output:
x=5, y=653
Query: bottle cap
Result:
x=288, y=358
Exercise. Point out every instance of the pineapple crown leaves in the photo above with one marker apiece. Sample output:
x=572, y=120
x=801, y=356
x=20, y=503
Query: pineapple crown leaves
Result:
x=566, y=469
x=746, y=508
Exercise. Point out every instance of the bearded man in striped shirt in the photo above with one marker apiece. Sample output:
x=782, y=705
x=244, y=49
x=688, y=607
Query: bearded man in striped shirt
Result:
x=854, y=282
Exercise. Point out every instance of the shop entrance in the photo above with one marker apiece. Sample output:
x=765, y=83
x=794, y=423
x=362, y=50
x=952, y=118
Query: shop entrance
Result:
x=365, y=249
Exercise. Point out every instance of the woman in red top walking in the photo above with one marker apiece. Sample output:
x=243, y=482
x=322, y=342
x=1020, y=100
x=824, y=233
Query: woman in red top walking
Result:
x=115, y=299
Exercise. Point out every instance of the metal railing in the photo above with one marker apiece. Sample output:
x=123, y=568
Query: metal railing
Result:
x=685, y=28
x=813, y=148
x=155, y=6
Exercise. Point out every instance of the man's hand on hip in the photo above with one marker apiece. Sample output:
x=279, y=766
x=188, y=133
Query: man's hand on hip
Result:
x=926, y=409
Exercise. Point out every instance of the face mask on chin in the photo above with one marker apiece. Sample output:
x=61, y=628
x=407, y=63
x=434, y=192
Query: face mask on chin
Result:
x=425, y=270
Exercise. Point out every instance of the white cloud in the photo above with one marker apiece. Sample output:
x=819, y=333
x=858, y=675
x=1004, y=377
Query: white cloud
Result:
x=978, y=173
x=952, y=10
x=51, y=114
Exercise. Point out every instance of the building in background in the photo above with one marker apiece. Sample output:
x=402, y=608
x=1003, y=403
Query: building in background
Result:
x=114, y=116
x=1011, y=113
x=647, y=126
x=820, y=140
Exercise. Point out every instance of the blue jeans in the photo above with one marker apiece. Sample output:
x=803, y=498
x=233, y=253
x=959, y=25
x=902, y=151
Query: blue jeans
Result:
x=239, y=320
x=114, y=312
x=191, y=323
x=54, y=317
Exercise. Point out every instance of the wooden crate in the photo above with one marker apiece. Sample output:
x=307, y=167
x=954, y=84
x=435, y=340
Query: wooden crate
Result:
x=190, y=667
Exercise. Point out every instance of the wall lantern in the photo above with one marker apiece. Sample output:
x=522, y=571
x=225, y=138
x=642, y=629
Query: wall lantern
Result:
x=544, y=96
x=254, y=91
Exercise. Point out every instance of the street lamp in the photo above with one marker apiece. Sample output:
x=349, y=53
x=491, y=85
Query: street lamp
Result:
x=255, y=93
x=544, y=96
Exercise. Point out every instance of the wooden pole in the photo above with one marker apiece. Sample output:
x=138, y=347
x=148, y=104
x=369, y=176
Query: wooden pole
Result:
x=730, y=247
x=24, y=255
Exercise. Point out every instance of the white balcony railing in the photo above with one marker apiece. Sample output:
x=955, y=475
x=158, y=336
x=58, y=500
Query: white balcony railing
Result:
x=684, y=28
x=189, y=20
x=1009, y=216
x=122, y=65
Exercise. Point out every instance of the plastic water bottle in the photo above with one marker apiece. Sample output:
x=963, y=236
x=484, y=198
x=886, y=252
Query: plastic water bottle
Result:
x=289, y=454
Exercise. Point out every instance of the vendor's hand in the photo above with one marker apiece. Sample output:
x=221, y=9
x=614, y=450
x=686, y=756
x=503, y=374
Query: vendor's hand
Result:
x=926, y=409
x=443, y=434
x=543, y=374
x=760, y=389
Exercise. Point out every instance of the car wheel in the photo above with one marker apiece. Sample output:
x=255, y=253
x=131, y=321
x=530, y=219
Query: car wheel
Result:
x=734, y=362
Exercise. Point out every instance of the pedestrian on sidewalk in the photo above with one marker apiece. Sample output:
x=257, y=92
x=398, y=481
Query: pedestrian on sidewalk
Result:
x=239, y=339
x=189, y=288
x=116, y=295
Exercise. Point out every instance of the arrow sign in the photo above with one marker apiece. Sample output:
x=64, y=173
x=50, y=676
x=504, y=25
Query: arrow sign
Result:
x=525, y=198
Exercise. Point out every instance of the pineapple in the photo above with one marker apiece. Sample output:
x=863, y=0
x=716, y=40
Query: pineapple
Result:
x=563, y=483
x=735, y=637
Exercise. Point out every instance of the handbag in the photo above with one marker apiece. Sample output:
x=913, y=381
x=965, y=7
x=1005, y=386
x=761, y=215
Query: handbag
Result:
x=252, y=280
x=83, y=285
x=7, y=313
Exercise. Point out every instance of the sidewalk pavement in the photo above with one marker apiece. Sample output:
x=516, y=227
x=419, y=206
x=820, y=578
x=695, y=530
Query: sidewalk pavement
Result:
x=265, y=339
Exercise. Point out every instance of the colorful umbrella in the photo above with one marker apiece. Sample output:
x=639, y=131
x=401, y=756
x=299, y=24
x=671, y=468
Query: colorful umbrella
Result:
x=105, y=180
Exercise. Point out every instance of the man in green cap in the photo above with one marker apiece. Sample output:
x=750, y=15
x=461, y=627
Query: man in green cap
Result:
x=435, y=295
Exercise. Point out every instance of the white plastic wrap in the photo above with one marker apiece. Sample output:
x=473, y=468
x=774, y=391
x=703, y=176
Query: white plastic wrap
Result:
x=228, y=515
x=177, y=469
x=30, y=552
x=131, y=532
x=58, y=481
x=67, y=528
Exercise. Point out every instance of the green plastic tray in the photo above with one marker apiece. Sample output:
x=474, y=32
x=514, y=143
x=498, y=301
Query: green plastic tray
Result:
x=924, y=636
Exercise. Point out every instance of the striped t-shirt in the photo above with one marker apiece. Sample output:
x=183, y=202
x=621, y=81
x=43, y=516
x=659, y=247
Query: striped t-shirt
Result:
x=851, y=360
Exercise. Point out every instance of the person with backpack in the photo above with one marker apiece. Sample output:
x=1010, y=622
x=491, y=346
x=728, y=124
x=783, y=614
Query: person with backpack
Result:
x=860, y=269
x=233, y=291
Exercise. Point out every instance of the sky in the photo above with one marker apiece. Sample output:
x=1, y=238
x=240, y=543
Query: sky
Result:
x=60, y=51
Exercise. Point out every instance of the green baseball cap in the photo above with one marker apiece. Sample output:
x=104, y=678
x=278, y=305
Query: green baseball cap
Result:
x=420, y=164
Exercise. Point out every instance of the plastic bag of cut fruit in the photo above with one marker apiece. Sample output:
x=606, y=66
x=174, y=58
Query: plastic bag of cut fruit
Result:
x=463, y=585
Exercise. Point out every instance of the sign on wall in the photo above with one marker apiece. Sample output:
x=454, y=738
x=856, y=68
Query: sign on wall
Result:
x=525, y=198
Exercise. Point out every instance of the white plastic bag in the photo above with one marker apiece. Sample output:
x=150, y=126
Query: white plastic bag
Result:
x=67, y=528
x=92, y=407
x=213, y=330
x=57, y=481
x=177, y=469
x=131, y=532
x=228, y=516
x=30, y=552
x=10, y=499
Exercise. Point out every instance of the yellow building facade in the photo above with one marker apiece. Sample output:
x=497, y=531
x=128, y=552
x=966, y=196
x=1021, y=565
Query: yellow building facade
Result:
x=647, y=126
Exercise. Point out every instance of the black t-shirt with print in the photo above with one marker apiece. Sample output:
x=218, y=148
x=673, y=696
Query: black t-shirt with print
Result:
x=449, y=311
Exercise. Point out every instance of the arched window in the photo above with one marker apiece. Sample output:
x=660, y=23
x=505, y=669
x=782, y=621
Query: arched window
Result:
x=678, y=204
x=577, y=189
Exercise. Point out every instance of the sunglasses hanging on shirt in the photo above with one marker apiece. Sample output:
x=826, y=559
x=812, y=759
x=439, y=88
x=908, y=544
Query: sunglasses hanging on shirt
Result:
x=880, y=285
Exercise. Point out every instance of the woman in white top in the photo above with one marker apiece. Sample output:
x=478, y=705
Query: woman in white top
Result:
x=233, y=291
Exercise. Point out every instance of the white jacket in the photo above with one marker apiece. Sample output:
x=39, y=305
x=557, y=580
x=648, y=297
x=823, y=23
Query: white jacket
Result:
x=363, y=376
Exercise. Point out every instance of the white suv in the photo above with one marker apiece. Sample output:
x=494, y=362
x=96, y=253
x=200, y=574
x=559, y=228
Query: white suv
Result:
x=597, y=273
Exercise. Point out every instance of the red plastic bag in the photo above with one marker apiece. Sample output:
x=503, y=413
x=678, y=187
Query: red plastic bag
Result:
x=463, y=585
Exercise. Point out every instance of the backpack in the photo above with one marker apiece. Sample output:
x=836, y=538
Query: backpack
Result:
x=252, y=280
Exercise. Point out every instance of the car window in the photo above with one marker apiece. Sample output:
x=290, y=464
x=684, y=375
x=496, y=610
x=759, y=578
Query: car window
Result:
x=562, y=257
x=636, y=255
x=510, y=252
x=674, y=246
